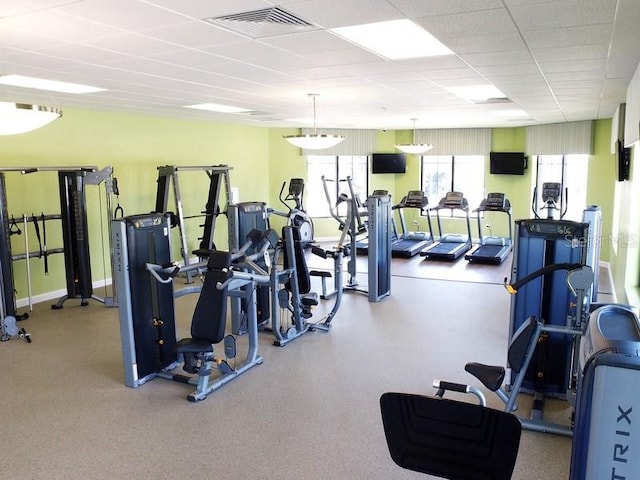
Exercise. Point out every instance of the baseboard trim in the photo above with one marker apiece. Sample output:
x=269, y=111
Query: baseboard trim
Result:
x=56, y=294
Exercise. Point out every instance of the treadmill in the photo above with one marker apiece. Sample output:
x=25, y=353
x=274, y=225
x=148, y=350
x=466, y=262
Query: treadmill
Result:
x=451, y=246
x=408, y=244
x=492, y=249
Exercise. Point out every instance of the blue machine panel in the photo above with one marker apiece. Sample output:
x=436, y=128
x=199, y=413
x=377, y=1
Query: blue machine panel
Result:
x=540, y=243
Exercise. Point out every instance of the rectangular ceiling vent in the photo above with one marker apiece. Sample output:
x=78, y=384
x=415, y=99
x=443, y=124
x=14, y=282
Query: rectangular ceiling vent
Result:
x=261, y=23
x=488, y=101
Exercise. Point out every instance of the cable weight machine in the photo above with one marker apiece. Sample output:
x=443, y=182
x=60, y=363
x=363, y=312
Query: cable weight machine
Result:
x=73, y=217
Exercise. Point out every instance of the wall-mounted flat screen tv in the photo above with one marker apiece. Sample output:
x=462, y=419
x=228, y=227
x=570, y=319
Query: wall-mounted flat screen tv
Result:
x=623, y=162
x=388, y=163
x=507, y=163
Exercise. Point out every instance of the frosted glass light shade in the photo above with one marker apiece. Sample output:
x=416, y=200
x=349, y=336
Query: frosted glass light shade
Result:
x=314, y=142
x=415, y=148
x=16, y=118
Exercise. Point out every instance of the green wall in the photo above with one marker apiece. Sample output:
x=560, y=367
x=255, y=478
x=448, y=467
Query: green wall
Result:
x=135, y=145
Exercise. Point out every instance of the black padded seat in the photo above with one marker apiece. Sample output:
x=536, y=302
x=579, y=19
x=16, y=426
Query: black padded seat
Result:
x=210, y=315
x=193, y=345
x=309, y=299
x=450, y=439
x=491, y=376
x=320, y=273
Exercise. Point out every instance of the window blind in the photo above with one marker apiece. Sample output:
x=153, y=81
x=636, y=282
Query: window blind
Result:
x=356, y=142
x=560, y=138
x=456, y=141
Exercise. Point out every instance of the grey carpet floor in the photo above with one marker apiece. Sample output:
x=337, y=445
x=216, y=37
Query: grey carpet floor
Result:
x=309, y=412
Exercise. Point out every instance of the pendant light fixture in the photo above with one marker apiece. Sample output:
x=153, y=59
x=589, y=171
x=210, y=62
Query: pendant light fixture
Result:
x=16, y=118
x=414, y=148
x=314, y=141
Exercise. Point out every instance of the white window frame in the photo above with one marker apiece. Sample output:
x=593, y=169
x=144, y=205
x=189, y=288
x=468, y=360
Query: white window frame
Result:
x=455, y=182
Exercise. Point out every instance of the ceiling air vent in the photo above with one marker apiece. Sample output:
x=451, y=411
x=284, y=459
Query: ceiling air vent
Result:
x=487, y=101
x=261, y=23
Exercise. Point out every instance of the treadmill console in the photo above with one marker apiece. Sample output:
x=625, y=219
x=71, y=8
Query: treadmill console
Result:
x=415, y=199
x=454, y=200
x=496, y=201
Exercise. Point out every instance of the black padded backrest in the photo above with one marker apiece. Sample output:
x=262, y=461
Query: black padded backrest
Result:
x=210, y=315
x=520, y=342
x=450, y=439
x=302, y=270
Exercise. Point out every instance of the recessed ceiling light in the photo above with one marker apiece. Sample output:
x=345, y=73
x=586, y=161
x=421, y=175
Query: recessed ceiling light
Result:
x=216, y=107
x=44, y=84
x=395, y=39
x=477, y=93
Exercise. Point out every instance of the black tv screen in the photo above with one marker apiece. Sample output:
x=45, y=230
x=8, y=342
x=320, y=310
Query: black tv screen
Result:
x=388, y=163
x=507, y=163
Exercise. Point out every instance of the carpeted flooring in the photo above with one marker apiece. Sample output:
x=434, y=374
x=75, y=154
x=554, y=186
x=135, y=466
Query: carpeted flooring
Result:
x=309, y=412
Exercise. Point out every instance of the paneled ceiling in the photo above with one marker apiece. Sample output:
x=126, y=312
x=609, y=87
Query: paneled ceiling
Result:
x=558, y=60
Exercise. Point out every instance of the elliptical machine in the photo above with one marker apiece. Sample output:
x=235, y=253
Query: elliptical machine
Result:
x=296, y=215
x=554, y=198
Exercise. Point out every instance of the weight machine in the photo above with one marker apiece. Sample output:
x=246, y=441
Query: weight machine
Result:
x=218, y=180
x=379, y=232
x=72, y=182
x=150, y=347
x=283, y=287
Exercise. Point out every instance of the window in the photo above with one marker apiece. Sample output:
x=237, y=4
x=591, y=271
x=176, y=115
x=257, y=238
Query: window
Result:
x=334, y=168
x=460, y=173
x=571, y=172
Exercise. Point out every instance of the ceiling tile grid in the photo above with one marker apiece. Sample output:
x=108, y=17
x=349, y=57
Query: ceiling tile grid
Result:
x=557, y=60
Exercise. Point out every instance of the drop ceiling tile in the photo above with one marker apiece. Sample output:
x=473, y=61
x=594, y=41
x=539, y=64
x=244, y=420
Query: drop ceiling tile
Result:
x=25, y=40
x=499, y=70
x=574, y=66
x=420, y=8
x=191, y=58
x=193, y=33
x=563, y=13
x=621, y=68
x=439, y=62
x=139, y=15
x=58, y=25
x=315, y=41
x=574, y=52
x=9, y=8
x=261, y=54
x=491, y=59
x=78, y=52
x=452, y=75
x=44, y=62
x=567, y=37
x=347, y=56
x=134, y=44
x=469, y=24
x=490, y=42
x=574, y=76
